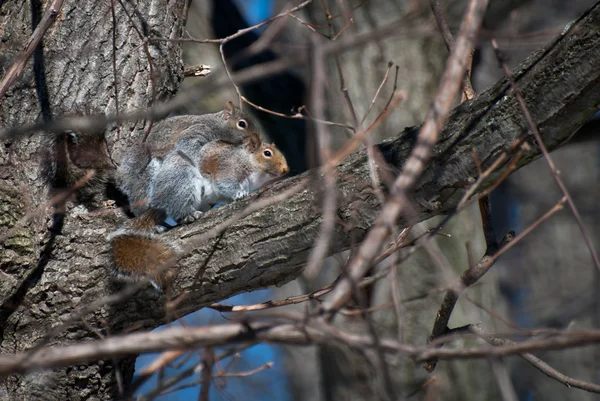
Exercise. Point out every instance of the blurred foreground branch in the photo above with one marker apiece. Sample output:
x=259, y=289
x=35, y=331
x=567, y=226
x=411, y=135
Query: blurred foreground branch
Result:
x=271, y=246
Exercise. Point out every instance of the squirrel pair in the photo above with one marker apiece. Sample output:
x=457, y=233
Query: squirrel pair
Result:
x=189, y=164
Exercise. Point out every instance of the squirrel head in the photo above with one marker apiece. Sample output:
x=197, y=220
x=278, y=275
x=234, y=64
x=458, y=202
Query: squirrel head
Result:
x=267, y=156
x=239, y=120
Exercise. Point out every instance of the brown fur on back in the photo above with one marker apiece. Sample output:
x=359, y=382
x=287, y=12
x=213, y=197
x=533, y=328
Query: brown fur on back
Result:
x=214, y=158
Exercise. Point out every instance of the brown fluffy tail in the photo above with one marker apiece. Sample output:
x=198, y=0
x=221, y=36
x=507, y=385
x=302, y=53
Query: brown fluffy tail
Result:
x=137, y=252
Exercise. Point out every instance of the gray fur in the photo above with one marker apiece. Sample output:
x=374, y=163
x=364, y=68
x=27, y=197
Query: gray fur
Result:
x=239, y=174
x=177, y=187
x=163, y=172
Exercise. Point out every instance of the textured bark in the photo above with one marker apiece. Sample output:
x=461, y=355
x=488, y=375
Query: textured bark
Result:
x=42, y=283
x=269, y=247
x=549, y=277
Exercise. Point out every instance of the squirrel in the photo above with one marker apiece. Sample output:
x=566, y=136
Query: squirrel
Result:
x=172, y=139
x=218, y=159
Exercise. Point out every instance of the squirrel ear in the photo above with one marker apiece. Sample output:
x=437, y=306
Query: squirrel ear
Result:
x=253, y=142
x=228, y=110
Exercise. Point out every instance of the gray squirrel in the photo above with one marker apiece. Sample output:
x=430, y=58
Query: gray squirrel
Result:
x=150, y=173
x=190, y=164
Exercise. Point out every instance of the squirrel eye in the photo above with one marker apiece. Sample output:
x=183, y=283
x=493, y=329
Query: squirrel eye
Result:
x=267, y=153
x=242, y=124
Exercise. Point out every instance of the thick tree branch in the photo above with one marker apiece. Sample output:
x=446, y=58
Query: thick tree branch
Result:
x=561, y=86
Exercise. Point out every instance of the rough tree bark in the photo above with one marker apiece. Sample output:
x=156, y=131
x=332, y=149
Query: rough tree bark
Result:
x=270, y=246
x=43, y=283
x=560, y=84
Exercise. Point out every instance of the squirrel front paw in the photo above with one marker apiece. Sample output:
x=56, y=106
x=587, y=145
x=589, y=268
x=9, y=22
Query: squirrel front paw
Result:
x=158, y=229
x=242, y=193
x=192, y=217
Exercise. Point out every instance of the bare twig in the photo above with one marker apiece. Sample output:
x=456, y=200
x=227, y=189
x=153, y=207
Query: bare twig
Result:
x=249, y=29
x=419, y=157
x=200, y=70
x=226, y=68
x=485, y=174
x=505, y=385
x=298, y=115
x=251, y=372
x=551, y=165
x=472, y=275
x=385, y=78
x=438, y=13
x=537, y=363
x=247, y=373
x=338, y=65
x=167, y=385
x=208, y=363
x=15, y=69
x=329, y=180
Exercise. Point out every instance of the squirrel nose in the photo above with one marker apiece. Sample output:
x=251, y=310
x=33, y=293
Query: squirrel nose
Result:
x=285, y=170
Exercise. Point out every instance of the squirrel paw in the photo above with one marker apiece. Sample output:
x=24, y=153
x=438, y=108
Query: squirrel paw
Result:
x=240, y=195
x=158, y=229
x=192, y=217
x=156, y=286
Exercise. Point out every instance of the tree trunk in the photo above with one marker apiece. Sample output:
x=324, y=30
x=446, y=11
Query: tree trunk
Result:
x=43, y=282
x=47, y=283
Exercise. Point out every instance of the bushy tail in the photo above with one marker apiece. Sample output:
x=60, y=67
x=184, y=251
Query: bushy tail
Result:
x=137, y=252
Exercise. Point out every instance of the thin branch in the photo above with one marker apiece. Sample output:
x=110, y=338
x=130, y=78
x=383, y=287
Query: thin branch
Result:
x=248, y=373
x=15, y=69
x=338, y=65
x=438, y=13
x=164, y=386
x=537, y=363
x=551, y=165
x=385, y=78
x=253, y=27
x=419, y=157
x=298, y=115
x=503, y=157
x=200, y=70
x=226, y=68
x=208, y=363
x=114, y=61
x=472, y=275
x=329, y=207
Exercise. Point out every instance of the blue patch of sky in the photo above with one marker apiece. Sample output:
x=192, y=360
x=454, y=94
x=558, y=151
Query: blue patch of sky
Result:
x=255, y=11
x=269, y=384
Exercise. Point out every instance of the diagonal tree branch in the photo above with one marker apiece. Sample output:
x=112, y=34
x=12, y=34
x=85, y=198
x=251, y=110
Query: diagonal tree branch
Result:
x=561, y=87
